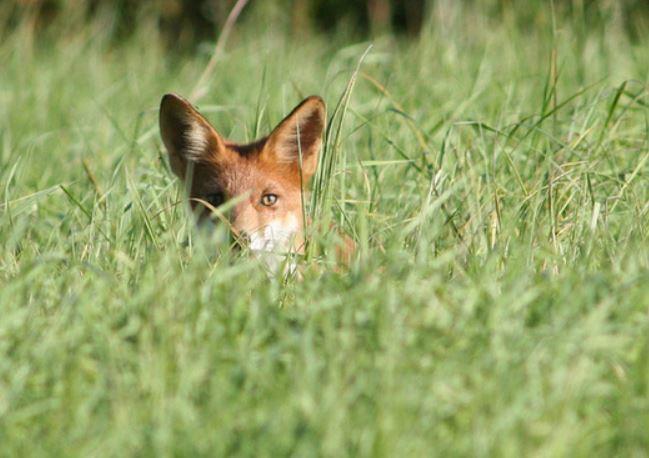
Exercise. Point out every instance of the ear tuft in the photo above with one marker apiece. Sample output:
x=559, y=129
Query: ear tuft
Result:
x=187, y=135
x=300, y=132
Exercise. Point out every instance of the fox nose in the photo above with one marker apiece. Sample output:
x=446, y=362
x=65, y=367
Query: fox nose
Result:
x=241, y=239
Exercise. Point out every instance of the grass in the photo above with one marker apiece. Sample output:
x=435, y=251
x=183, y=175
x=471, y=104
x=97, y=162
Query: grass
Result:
x=494, y=175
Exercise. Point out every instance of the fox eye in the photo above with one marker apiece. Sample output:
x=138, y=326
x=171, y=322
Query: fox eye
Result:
x=268, y=200
x=215, y=199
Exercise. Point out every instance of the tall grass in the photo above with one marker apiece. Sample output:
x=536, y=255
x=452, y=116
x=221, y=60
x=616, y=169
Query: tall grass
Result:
x=493, y=174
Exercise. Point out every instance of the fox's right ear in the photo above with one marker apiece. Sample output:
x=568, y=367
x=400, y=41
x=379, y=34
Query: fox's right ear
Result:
x=187, y=135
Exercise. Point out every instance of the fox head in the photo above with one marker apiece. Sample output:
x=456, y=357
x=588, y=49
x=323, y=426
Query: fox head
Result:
x=266, y=177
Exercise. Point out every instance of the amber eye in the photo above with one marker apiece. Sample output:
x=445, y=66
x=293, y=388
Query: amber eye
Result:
x=269, y=199
x=216, y=199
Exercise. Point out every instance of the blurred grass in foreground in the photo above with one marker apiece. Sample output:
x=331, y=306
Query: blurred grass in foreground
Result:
x=493, y=173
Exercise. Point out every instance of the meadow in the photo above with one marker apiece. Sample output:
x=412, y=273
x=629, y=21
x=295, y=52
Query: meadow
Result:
x=493, y=172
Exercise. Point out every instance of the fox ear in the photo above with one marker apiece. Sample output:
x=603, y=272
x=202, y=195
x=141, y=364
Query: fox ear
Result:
x=299, y=132
x=187, y=135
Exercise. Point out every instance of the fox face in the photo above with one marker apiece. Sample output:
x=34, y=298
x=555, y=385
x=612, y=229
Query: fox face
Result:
x=266, y=177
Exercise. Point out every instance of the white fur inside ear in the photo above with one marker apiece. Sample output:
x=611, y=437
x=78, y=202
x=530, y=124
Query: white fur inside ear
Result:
x=196, y=141
x=299, y=136
x=287, y=148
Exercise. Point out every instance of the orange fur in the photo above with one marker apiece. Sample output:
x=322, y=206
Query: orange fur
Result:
x=278, y=165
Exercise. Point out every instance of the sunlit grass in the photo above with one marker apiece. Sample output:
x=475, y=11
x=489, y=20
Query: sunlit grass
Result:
x=493, y=176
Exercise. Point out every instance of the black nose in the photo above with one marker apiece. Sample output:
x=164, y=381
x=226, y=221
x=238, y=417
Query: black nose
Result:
x=240, y=240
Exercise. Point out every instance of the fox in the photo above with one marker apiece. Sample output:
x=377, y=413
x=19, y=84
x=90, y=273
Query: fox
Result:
x=266, y=180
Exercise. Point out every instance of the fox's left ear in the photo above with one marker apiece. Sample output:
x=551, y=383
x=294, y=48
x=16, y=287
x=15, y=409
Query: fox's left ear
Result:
x=300, y=132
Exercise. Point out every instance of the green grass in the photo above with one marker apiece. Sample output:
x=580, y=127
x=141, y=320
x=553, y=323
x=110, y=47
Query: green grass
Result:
x=493, y=174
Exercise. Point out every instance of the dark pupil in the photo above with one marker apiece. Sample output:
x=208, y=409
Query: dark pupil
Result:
x=216, y=199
